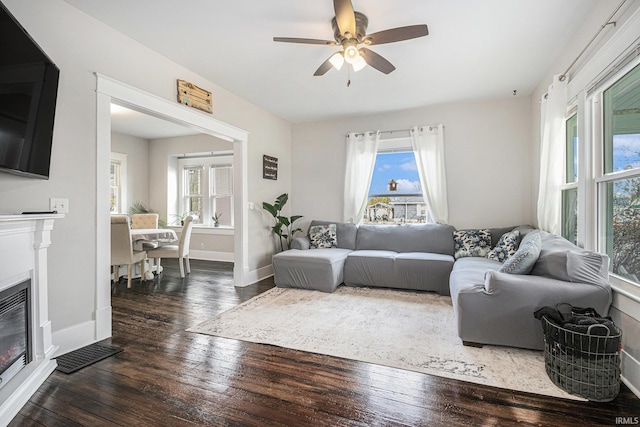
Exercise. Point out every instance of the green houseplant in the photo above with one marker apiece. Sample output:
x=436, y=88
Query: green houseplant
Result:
x=216, y=218
x=283, y=227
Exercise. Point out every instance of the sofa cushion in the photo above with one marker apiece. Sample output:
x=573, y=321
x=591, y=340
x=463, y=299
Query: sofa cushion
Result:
x=506, y=246
x=345, y=233
x=472, y=243
x=370, y=268
x=423, y=271
x=323, y=236
x=433, y=238
x=523, y=260
x=562, y=260
x=310, y=269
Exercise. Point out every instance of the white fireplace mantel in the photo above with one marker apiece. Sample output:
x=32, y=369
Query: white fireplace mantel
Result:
x=24, y=240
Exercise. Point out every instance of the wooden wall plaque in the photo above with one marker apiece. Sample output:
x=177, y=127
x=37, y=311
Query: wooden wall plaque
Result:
x=193, y=96
x=269, y=167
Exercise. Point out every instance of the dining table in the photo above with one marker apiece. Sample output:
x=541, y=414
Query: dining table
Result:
x=160, y=235
x=146, y=235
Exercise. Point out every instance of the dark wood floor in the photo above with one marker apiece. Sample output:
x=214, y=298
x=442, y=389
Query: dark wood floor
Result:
x=168, y=377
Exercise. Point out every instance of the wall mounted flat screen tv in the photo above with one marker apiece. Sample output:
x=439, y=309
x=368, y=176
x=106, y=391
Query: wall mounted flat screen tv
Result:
x=28, y=92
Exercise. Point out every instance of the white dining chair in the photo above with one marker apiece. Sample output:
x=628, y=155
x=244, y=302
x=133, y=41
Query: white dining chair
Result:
x=122, y=252
x=180, y=251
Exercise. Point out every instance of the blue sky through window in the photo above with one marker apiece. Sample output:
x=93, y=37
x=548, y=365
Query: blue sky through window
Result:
x=400, y=167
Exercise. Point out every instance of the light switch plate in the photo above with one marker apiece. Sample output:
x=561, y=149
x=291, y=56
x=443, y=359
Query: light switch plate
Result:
x=59, y=205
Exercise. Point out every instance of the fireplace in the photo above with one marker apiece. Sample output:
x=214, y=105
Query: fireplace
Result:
x=15, y=327
x=26, y=341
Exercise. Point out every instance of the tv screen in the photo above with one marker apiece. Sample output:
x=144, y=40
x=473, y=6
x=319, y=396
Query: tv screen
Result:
x=28, y=92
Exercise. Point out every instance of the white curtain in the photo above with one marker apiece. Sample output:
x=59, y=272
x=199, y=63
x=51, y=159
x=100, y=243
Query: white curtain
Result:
x=428, y=148
x=552, y=148
x=361, y=157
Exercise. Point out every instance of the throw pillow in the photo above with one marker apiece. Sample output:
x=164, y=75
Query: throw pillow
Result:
x=524, y=259
x=472, y=243
x=506, y=246
x=323, y=236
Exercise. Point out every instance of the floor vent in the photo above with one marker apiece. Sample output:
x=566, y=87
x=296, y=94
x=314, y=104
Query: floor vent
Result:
x=85, y=356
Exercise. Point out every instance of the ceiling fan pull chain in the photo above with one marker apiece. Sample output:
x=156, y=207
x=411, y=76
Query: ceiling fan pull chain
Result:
x=348, y=77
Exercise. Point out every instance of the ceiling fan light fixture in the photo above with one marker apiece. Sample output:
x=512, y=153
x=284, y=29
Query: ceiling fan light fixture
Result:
x=351, y=54
x=359, y=63
x=337, y=60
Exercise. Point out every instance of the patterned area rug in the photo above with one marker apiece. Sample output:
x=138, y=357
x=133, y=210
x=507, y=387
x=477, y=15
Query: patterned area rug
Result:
x=415, y=331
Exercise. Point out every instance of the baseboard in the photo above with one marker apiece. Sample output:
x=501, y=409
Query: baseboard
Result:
x=631, y=372
x=211, y=255
x=254, y=276
x=74, y=337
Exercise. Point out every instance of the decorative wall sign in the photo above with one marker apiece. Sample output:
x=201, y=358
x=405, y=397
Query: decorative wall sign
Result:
x=193, y=96
x=269, y=167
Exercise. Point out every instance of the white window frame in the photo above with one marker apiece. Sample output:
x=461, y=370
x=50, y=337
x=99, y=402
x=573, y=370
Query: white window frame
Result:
x=595, y=113
x=207, y=163
x=121, y=159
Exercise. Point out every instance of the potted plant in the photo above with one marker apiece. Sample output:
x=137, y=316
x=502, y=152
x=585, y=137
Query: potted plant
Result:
x=179, y=219
x=283, y=227
x=216, y=218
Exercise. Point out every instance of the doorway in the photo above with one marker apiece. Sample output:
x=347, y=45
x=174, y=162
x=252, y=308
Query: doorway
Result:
x=112, y=91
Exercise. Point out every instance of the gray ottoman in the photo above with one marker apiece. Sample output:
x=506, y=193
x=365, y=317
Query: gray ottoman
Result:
x=319, y=269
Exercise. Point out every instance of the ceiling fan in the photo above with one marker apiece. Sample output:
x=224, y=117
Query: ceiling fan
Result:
x=350, y=32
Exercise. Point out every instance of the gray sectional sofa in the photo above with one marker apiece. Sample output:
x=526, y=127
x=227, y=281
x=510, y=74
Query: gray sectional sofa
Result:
x=418, y=257
x=491, y=306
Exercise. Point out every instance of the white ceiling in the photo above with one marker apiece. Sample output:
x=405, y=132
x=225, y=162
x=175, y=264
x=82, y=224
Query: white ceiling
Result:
x=476, y=49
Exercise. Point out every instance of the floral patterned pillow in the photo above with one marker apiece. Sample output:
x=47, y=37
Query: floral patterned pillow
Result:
x=323, y=236
x=506, y=246
x=472, y=243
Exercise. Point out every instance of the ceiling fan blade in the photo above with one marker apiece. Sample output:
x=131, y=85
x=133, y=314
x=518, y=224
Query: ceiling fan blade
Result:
x=397, y=34
x=376, y=61
x=345, y=17
x=304, y=41
x=326, y=66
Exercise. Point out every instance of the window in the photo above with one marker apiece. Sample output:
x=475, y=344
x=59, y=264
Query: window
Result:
x=619, y=183
x=207, y=188
x=395, y=193
x=118, y=184
x=570, y=189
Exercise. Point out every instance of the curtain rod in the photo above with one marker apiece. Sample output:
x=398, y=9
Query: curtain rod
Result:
x=606, y=23
x=391, y=131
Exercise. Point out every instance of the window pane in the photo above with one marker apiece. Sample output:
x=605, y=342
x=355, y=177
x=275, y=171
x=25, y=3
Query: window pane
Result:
x=572, y=149
x=222, y=180
x=193, y=177
x=622, y=232
x=395, y=194
x=570, y=215
x=622, y=123
x=222, y=206
x=194, y=206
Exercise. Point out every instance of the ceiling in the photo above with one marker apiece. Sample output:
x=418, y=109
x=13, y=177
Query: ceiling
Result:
x=476, y=49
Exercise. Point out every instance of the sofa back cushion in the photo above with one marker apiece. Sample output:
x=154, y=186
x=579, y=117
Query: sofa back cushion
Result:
x=434, y=238
x=345, y=233
x=562, y=260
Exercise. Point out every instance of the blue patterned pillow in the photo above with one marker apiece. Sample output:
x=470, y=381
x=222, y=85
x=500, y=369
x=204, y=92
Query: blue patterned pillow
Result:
x=470, y=243
x=524, y=259
x=323, y=236
x=506, y=246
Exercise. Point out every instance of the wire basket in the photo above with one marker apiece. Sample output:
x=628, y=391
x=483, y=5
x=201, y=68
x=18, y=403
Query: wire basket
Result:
x=584, y=364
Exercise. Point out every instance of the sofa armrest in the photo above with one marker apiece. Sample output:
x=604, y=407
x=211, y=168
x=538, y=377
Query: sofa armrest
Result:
x=301, y=243
x=533, y=288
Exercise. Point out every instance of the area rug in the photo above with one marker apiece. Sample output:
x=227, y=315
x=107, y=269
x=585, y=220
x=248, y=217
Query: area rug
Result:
x=409, y=330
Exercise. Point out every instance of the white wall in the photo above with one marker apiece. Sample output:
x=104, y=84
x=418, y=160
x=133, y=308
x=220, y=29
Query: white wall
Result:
x=137, y=151
x=487, y=157
x=81, y=46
